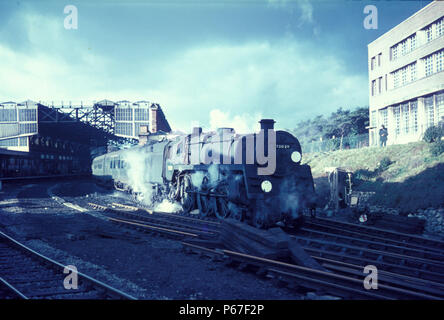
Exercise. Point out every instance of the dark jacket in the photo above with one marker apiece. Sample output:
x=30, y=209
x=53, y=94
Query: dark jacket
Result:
x=383, y=133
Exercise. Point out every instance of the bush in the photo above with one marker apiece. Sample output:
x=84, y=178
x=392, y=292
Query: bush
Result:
x=437, y=148
x=364, y=174
x=433, y=134
x=332, y=144
x=384, y=164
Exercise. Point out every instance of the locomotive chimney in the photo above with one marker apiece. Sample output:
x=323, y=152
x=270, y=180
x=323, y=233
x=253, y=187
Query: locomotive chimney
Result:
x=267, y=124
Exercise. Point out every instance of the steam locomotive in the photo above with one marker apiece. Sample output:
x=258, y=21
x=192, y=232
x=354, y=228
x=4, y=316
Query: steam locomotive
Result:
x=257, y=177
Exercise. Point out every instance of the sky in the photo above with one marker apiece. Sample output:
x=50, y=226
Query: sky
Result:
x=213, y=63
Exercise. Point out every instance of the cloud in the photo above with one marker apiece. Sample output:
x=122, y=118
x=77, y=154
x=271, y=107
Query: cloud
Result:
x=305, y=9
x=215, y=83
x=286, y=80
x=50, y=64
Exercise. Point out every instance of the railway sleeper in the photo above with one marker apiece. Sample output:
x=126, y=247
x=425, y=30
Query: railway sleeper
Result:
x=426, y=275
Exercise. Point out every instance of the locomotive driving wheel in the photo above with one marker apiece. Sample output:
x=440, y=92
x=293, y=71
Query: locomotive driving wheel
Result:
x=187, y=198
x=204, y=199
x=236, y=212
x=260, y=219
x=222, y=203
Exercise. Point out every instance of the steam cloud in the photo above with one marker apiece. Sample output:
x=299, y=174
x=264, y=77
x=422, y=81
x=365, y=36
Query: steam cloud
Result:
x=168, y=206
x=136, y=174
x=137, y=177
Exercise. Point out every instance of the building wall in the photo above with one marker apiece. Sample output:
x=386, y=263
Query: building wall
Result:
x=17, y=123
x=406, y=77
x=130, y=117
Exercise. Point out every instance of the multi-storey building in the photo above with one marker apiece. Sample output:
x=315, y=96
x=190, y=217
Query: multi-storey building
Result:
x=406, y=78
x=130, y=117
x=47, y=138
x=21, y=123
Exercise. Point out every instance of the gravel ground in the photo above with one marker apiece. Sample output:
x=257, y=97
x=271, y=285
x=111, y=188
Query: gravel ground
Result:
x=146, y=266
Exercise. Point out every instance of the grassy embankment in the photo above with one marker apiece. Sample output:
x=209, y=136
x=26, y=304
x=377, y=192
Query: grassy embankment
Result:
x=413, y=178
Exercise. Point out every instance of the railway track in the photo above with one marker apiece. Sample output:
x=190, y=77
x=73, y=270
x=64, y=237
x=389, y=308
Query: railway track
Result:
x=347, y=284
x=319, y=237
x=372, y=243
x=372, y=233
x=333, y=240
x=409, y=270
x=425, y=268
x=27, y=274
x=172, y=225
x=412, y=283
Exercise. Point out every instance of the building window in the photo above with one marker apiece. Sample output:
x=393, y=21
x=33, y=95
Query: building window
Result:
x=414, y=115
x=440, y=27
x=23, y=141
x=9, y=142
x=439, y=60
x=383, y=115
x=27, y=114
x=413, y=71
x=379, y=59
x=124, y=128
x=373, y=63
x=394, y=51
x=141, y=114
x=379, y=84
x=396, y=79
x=429, y=65
x=403, y=48
x=373, y=118
x=397, y=116
x=428, y=103
x=8, y=129
x=124, y=114
x=434, y=63
x=429, y=34
x=405, y=117
x=25, y=128
x=413, y=42
x=8, y=115
x=373, y=87
x=440, y=106
x=404, y=76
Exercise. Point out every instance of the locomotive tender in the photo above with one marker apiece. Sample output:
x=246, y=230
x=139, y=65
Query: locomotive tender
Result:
x=256, y=177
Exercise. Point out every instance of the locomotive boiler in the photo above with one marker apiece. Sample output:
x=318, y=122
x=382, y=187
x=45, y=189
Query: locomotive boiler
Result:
x=257, y=177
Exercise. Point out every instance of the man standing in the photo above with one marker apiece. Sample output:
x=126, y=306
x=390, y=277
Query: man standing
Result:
x=383, y=136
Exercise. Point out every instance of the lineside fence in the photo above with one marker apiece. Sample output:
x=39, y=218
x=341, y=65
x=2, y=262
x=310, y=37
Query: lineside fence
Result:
x=350, y=142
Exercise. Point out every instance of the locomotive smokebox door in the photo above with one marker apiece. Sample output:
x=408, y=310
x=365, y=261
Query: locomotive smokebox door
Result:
x=340, y=181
